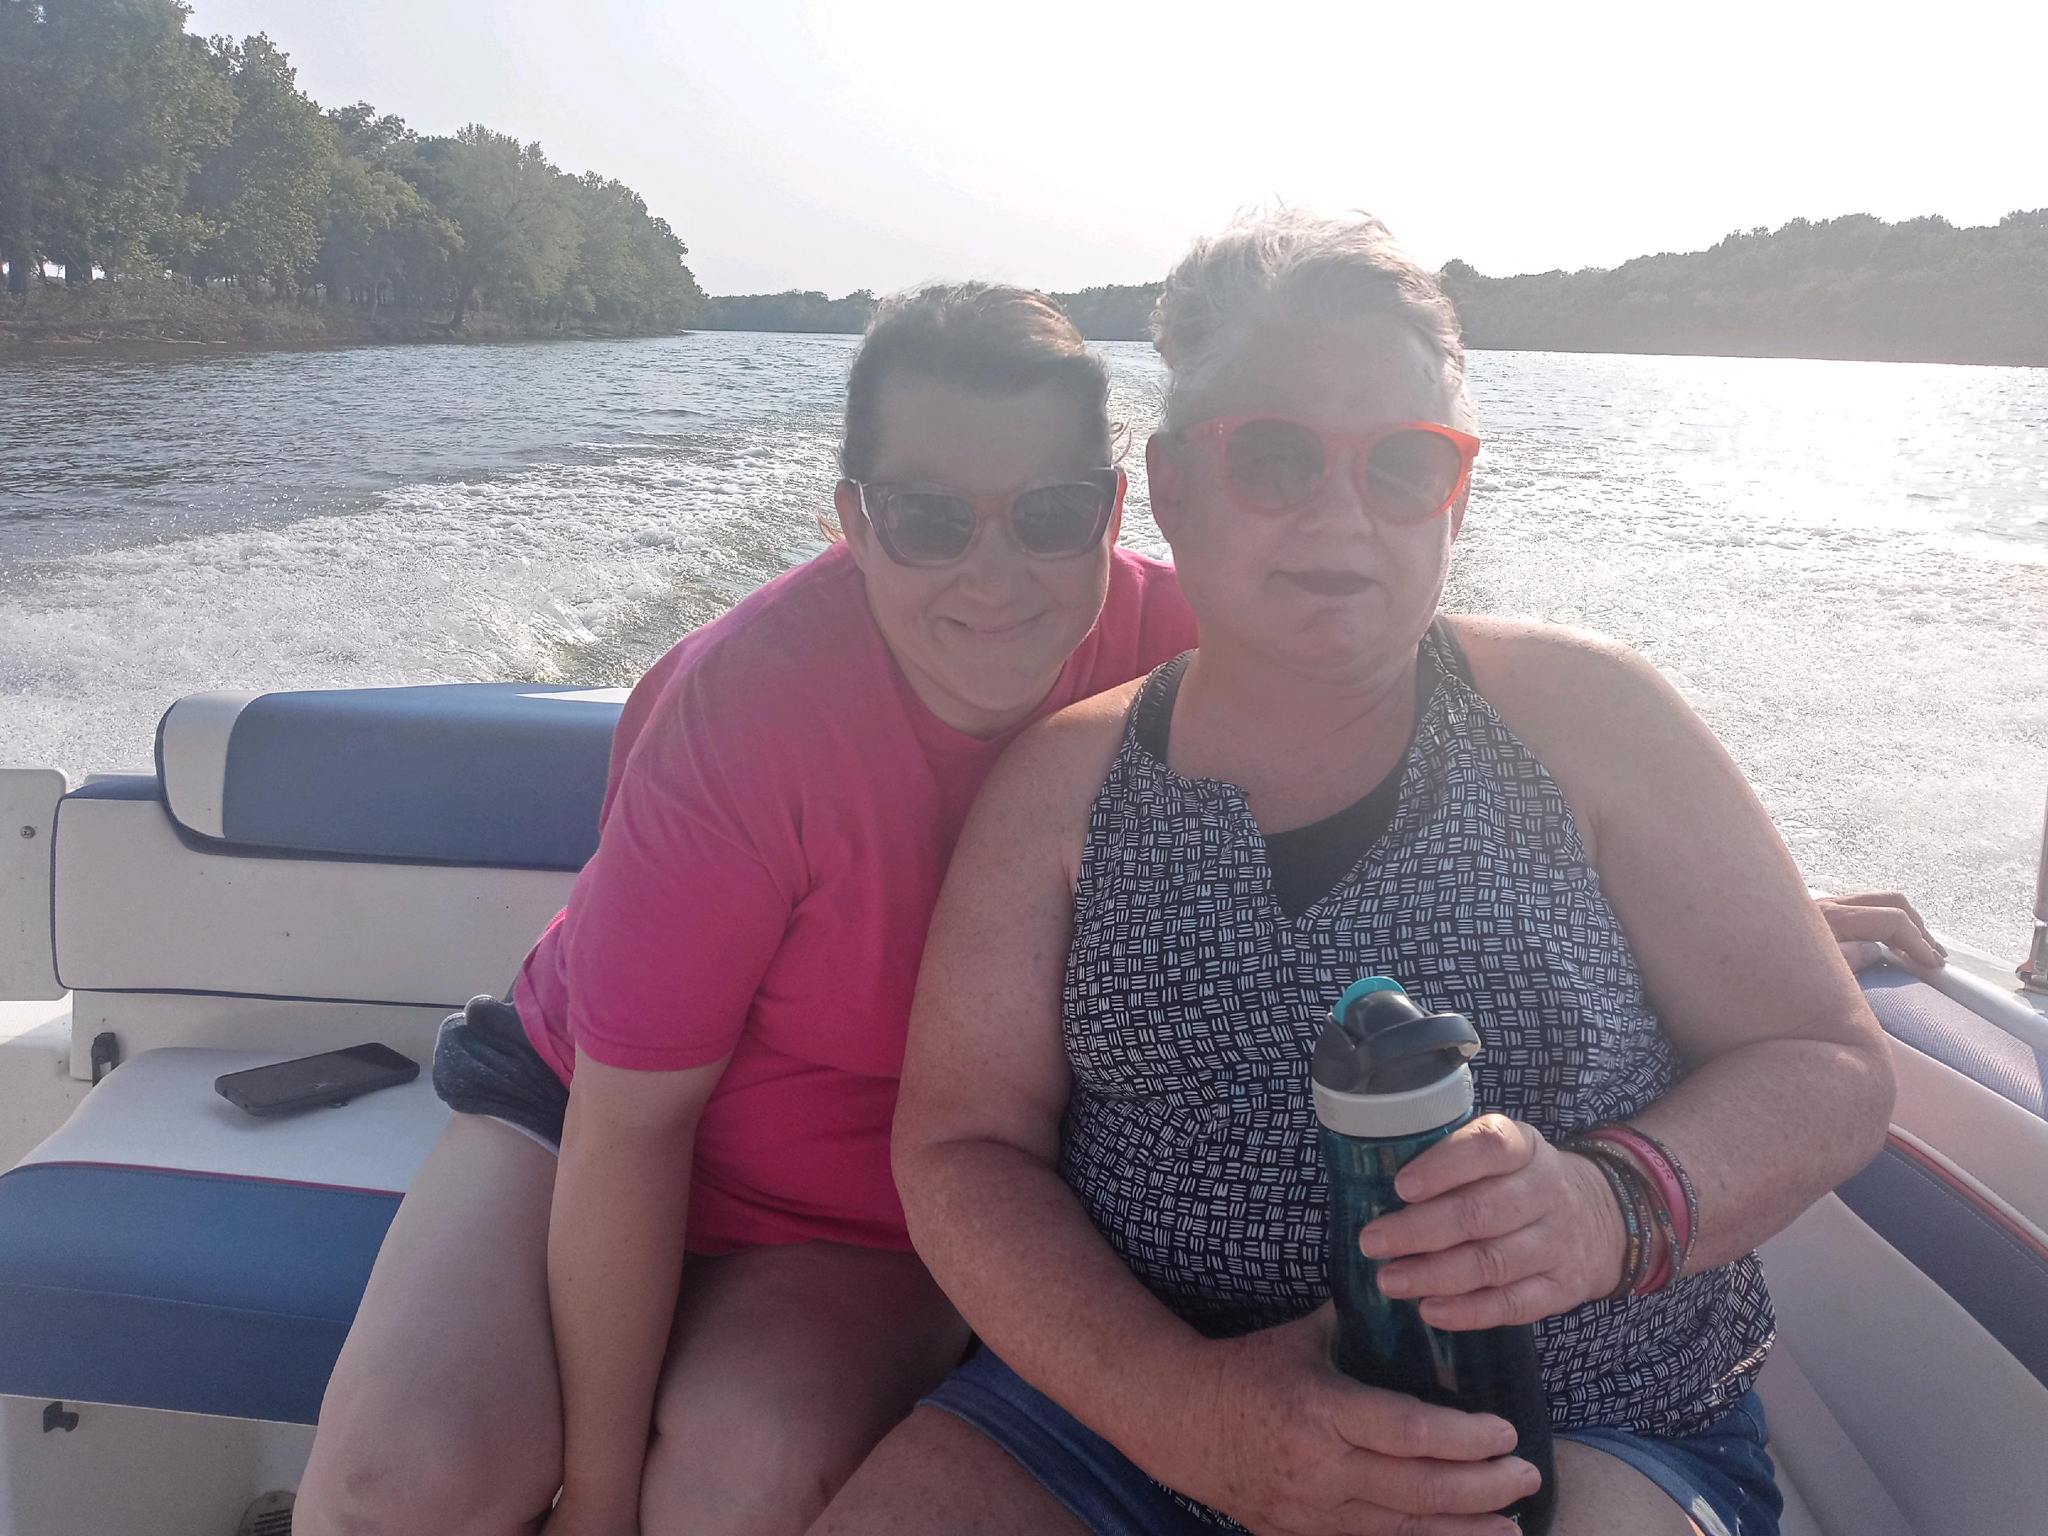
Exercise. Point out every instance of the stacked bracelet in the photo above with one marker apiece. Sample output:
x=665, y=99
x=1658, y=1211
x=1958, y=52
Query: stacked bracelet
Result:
x=1631, y=1196
x=1687, y=1208
x=1655, y=1197
x=1673, y=1187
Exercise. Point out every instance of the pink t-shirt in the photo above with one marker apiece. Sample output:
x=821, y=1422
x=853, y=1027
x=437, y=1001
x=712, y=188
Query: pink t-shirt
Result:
x=779, y=816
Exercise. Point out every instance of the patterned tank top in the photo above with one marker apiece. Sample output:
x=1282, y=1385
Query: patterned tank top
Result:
x=1193, y=1004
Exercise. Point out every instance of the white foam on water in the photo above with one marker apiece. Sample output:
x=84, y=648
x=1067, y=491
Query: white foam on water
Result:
x=534, y=575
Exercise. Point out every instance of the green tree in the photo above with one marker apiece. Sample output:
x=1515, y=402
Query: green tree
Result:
x=1119, y=312
x=105, y=107
x=519, y=235
x=791, y=310
x=380, y=141
x=628, y=271
x=265, y=190
x=380, y=236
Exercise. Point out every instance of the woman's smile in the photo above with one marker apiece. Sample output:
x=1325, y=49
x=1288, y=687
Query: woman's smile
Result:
x=992, y=630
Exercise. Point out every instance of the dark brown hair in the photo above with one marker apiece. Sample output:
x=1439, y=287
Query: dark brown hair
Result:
x=980, y=336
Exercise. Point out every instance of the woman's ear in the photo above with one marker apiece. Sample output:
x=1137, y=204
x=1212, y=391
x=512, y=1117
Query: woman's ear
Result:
x=1116, y=511
x=853, y=521
x=1458, y=511
x=1162, y=475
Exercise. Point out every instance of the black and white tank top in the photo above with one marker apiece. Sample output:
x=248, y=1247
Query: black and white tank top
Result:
x=1193, y=1002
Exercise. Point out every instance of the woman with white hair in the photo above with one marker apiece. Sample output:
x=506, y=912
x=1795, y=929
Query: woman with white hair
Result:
x=1105, y=1142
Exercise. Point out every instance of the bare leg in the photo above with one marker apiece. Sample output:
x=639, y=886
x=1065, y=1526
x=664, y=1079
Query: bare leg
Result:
x=939, y=1475
x=1599, y=1494
x=443, y=1416
x=786, y=1367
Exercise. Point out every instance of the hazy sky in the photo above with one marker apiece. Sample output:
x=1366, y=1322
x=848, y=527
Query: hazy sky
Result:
x=839, y=144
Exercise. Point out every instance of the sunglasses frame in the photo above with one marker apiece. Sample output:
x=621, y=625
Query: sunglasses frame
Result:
x=1222, y=428
x=1109, y=478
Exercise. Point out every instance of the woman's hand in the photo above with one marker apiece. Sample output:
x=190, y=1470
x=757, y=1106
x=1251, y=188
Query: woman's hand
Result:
x=1863, y=921
x=1500, y=1227
x=1278, y=1438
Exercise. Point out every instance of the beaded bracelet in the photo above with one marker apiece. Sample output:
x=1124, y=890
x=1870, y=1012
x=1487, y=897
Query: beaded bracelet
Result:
x=1673, y=1187
x=1628, y=1200
x=1689, y=1195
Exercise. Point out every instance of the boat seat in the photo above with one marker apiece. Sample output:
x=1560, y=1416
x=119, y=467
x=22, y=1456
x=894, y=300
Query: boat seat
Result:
x=507, y=774
x=163, y=1249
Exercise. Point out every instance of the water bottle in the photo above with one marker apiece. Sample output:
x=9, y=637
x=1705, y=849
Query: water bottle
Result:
x=1390, y=1082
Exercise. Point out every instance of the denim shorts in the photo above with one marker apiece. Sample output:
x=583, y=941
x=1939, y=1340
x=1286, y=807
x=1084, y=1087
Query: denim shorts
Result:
x=1722, y=1477
x=485, y=1065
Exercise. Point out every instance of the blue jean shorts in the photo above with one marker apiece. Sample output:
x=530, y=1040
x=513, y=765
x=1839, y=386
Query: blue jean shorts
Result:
x=1721, y=1477
x=485, y=1065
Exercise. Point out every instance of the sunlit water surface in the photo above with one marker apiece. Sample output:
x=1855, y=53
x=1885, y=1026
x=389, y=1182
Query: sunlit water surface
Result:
x=1843, y=565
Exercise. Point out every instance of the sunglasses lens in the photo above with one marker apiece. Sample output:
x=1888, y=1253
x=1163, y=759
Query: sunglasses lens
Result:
x=1061, y=519
x=1411, y=476
x=927, y=527
x=1274, y=466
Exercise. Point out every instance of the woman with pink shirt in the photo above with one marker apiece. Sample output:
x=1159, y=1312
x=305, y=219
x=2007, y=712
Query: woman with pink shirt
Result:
x=656, y=1261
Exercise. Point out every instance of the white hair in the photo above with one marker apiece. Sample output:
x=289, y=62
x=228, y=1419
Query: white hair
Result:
x=1286, y=264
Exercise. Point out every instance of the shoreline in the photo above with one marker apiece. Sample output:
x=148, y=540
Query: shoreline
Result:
x=53, y=348
x=15, y=346
x=112, y=317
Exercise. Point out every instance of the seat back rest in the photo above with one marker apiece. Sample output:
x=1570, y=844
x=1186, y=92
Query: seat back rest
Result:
x=508, y=774
x=136, y=909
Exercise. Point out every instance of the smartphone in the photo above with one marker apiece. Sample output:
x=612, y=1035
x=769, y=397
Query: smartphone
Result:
x=332, y=1077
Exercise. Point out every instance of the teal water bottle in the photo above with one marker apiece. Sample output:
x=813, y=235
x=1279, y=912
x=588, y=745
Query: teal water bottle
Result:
x=1390, y=1082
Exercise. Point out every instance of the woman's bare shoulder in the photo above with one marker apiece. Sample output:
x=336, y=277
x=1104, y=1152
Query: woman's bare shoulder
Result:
x=1554, y=676
x=1598, y=715
x=1060, y=762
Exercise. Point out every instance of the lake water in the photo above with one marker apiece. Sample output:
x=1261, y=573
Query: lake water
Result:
x=1843, y=565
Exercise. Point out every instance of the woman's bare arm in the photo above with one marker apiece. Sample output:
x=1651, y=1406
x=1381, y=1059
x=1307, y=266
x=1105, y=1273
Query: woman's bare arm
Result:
x=985, y=1083
x=1789, y=1086
x=615, y=1267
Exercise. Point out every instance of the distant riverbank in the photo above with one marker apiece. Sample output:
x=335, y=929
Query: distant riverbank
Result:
x=128, y=313
x=1853, y=289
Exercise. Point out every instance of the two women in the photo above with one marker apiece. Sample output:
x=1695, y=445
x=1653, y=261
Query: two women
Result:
x=702, y=1310
x=1105, y=1142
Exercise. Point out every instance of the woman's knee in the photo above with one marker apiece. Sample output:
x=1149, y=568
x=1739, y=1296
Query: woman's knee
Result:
x=399, y=1468
x=757, y=1457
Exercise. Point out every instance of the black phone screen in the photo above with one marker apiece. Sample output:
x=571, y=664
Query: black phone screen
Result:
x=318, y=1079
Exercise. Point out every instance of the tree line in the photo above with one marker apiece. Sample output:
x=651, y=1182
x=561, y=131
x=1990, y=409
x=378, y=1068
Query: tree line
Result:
x=130, y=147
x=1921, y=290
x=1103, y=314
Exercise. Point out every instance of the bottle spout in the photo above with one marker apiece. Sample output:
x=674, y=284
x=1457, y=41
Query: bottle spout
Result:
x=1379, y=1041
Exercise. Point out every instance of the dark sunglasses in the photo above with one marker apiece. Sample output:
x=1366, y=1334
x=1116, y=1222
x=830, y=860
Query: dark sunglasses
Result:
x=1407, y=473
x=1052, y=520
